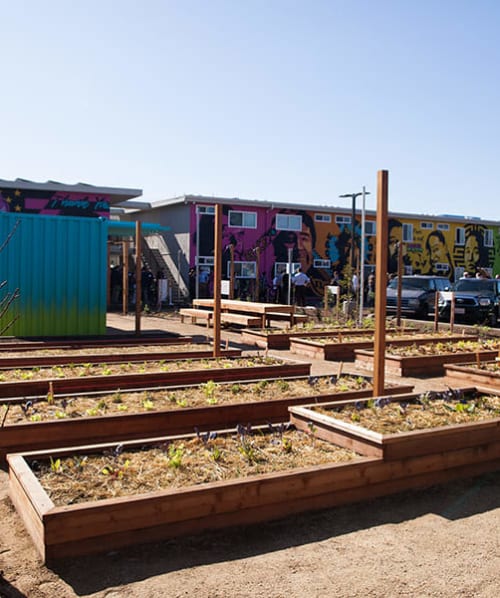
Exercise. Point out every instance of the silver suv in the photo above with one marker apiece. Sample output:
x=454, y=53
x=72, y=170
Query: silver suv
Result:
x=417, y=294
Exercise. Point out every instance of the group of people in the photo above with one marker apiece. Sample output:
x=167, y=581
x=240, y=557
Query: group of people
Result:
x=300, y=282
x=153, y=288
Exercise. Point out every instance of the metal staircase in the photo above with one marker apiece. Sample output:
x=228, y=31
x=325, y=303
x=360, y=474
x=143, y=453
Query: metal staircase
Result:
x=156, y=254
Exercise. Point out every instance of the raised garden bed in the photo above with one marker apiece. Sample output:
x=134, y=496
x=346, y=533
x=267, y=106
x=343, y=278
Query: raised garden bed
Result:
x=63, y=356
x=118, y=340
x=79, y=419
x=433, y=423
x=485, y=374
x=278, y=338
x=342, y=347
x=429, y=359
x=71, y=528
x=91, y=378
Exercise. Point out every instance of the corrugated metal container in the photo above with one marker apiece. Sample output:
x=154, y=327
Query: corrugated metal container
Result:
x=59, y=265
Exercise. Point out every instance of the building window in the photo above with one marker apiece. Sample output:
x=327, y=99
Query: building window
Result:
x=322, y=263
x=242, y=269
x=426, y=225
x=370, y=228
x=488, y=238
x=441, y=267
x=288, y=222
x=205, y=209
x=343, y=220
x=205, y=260
x=322, y=218
x=443, y=226
x=407, y=233
x=460, y=236
x=242, y=219
x=282, y=267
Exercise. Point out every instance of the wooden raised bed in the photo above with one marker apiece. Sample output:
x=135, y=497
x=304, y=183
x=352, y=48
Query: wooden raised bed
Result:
x=86, y=384
x=105, y=341
x=426, y=365
x=345, y=350
x=110, y=524
x=402, y=445
x=282, y=339
x=75, y=358
x=128, y=426
x=469, y=373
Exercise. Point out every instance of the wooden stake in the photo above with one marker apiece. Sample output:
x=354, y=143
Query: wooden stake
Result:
x=217, y=277
x=138, y=281
x=380, y=281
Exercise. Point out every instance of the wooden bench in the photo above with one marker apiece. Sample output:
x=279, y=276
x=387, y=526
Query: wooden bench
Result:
x=241, y=319
x=196, y=314
x=297, y=318
x=225, y=317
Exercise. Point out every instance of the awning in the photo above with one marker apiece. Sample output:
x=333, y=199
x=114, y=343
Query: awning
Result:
x=127, y=229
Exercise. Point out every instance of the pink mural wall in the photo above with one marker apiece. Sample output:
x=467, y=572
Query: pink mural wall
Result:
x=319, y=246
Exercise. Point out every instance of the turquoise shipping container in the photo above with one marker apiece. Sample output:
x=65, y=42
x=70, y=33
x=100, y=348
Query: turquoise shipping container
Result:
x=58, y=265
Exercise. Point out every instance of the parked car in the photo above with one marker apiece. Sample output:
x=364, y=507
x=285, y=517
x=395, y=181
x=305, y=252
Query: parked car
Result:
x=477, y=300
x=417, y=294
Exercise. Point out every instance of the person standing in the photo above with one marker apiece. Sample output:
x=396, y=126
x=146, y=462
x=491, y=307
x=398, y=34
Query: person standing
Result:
x=301, y=281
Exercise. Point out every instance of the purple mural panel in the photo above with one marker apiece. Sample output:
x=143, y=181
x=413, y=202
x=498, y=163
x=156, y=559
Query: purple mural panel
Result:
x=54, y=203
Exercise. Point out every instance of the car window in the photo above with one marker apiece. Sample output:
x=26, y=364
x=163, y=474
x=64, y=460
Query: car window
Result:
x=474, y=285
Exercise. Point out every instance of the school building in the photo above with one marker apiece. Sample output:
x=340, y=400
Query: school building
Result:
x=260, y=238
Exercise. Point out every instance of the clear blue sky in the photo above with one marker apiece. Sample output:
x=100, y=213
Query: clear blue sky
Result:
x=275, y=100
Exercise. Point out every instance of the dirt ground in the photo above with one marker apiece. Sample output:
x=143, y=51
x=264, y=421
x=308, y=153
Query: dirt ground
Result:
x=439, y=541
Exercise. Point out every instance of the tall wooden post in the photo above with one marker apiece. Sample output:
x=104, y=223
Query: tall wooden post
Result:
x=231, y=272
x=125, y=277
x=217, y=278
x=138, y=281
x=257, y=273
x=108, y=278
x=380, y=281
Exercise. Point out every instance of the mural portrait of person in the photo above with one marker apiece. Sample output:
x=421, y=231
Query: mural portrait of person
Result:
x=440, y=260
x=303, y=246
x=476, y=255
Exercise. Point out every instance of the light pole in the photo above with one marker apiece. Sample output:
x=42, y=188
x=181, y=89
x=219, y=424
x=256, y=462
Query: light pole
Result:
x=353, y=222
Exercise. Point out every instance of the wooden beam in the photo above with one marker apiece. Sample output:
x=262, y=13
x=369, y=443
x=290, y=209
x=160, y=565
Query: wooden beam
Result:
x=138, y=281
x=217, y=278
x=380, y=281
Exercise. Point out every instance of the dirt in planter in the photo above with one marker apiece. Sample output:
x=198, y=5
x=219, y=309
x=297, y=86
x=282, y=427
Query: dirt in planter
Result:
x=345, y=338
x=208, y=393
x=429, y=410
x=464, y=346
x=207, y=457
x=111, y=350
x=136, y=367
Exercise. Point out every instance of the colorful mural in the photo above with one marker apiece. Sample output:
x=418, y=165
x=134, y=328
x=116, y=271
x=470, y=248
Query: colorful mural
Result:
x=53, y=203
x=320, y=243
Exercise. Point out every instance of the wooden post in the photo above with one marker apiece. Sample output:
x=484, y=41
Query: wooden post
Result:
x=231, y=272
x=400, y=283
x=217, y=277
x=125, y=277
x=138, y=281
x=380, y=282
x=257, y=273
x=108, y=277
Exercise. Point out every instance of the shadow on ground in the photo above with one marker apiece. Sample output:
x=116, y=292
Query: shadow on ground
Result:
x=455, y=500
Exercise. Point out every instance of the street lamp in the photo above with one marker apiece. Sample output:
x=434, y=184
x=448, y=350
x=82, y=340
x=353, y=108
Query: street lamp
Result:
x=353, y=221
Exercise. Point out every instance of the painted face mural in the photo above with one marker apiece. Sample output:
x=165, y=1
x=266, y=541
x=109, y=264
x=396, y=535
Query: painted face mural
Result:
x=440, y=261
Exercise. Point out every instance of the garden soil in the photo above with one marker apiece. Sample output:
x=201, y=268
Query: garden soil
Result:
x=441, y=541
